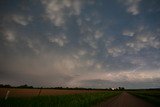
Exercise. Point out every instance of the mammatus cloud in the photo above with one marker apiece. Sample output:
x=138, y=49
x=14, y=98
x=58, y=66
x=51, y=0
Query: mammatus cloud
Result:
x=98, y=34
x=82, y=43
x=60, y=40
x=91, y=35
x=132, y=6
x=149, y=39
x=58, y=11
x=143, y=39
x=91, y=42
x=128, y=33
x=22, y=20
x=9, y=35
x=115, y=51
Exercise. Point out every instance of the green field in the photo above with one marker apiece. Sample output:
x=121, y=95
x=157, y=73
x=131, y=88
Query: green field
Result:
x=152, y=96
x=76, y=100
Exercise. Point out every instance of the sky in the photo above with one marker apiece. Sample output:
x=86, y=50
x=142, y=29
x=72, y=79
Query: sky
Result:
x=80, y=43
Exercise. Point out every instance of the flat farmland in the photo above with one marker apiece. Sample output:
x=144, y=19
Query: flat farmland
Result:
x=78, y=98
x=14, y=92
x=54, y=98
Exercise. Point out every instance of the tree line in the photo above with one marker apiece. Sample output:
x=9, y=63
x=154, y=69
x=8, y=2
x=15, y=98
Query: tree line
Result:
x=61, y=88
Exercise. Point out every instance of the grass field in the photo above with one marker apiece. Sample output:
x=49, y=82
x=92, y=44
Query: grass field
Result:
x=72, y=100
x=152, y=96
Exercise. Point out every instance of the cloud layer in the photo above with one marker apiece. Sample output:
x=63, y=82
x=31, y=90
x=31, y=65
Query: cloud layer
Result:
x=80, y=43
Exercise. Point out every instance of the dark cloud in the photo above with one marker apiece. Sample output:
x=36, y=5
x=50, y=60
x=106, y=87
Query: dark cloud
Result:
x=80, y=43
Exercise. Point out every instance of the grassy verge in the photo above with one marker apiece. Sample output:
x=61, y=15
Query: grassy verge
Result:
x=150, y=96
x=77, y=100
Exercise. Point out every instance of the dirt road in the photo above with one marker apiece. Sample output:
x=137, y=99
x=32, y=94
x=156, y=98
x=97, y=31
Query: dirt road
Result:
x=125, y=100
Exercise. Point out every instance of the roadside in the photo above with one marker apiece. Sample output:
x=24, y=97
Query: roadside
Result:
x=125, y=100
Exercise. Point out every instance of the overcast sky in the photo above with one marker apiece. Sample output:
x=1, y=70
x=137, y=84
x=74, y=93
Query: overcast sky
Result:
x=80, y=43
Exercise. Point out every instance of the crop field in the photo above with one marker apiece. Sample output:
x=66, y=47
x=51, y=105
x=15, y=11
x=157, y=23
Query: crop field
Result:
x=14, y=92
x=68, y=98
x=77, y=98
x=152, y=96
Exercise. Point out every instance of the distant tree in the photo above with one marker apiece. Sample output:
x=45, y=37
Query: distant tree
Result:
x=121, y=88
x=110, y=89
x=1, y=86
x=25, y=86
x=58, y=88
x=7, y=86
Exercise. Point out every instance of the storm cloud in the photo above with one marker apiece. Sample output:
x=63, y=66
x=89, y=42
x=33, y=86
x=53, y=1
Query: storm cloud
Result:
x=80, y=43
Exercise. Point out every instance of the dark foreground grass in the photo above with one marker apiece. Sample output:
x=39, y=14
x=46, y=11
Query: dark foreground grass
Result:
x=150, y=96
x=76, y=100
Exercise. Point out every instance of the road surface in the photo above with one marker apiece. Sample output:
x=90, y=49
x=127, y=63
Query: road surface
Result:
x=125, y=100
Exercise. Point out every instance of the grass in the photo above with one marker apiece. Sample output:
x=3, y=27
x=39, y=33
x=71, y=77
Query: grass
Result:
x=152, y=96
x=76, y=100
